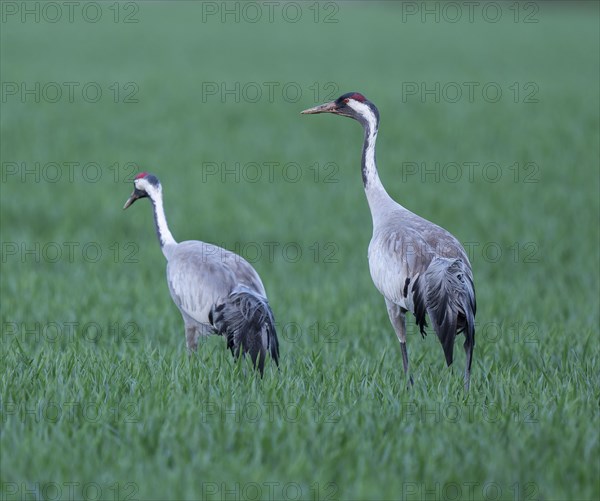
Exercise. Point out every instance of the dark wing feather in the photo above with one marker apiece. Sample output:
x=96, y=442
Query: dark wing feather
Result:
x=246, y=320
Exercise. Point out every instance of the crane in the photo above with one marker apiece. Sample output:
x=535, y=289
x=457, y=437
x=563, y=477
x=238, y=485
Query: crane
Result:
x=216, y=291
x=416, y=265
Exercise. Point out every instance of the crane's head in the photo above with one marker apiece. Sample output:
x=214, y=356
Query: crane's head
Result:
x=353, y=105
x=144, y=185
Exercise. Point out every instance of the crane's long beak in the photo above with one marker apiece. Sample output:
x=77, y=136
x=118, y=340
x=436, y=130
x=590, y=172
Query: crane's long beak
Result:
x=132, y=198
x=322, y=108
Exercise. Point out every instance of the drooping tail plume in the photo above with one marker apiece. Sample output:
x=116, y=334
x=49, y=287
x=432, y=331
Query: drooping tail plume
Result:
x=446, y=293
x=246, y=320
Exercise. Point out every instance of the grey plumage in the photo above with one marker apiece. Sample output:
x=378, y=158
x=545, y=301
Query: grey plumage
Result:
x=415, y=264
x=216, y=291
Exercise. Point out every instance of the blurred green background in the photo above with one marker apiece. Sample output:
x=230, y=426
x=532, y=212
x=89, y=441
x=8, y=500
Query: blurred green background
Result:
x=97, y=388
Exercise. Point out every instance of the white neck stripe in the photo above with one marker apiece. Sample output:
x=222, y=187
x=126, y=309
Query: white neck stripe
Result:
x=364, y=111
x=160, y=220
x=162, y=229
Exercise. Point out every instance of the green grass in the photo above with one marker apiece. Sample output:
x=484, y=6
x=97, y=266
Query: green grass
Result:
x=97, y=390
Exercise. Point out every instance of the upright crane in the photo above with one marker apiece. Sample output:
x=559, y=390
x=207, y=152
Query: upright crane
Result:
x=416, y=265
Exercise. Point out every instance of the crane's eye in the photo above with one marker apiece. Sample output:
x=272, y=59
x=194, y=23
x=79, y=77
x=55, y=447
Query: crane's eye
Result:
x=347, y=100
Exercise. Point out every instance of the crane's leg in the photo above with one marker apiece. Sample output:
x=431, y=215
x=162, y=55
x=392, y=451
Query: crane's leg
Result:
x=191, y=338
x=469, y=345
x=398, y=320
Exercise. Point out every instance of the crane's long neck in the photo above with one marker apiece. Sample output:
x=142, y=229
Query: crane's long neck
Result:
x=165, y=238
x=377, y=197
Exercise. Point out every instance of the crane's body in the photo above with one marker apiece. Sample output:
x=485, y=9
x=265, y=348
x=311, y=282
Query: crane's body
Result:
x=416, y=265
x=216, y=291
x=201, y=275
x=401, y=249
